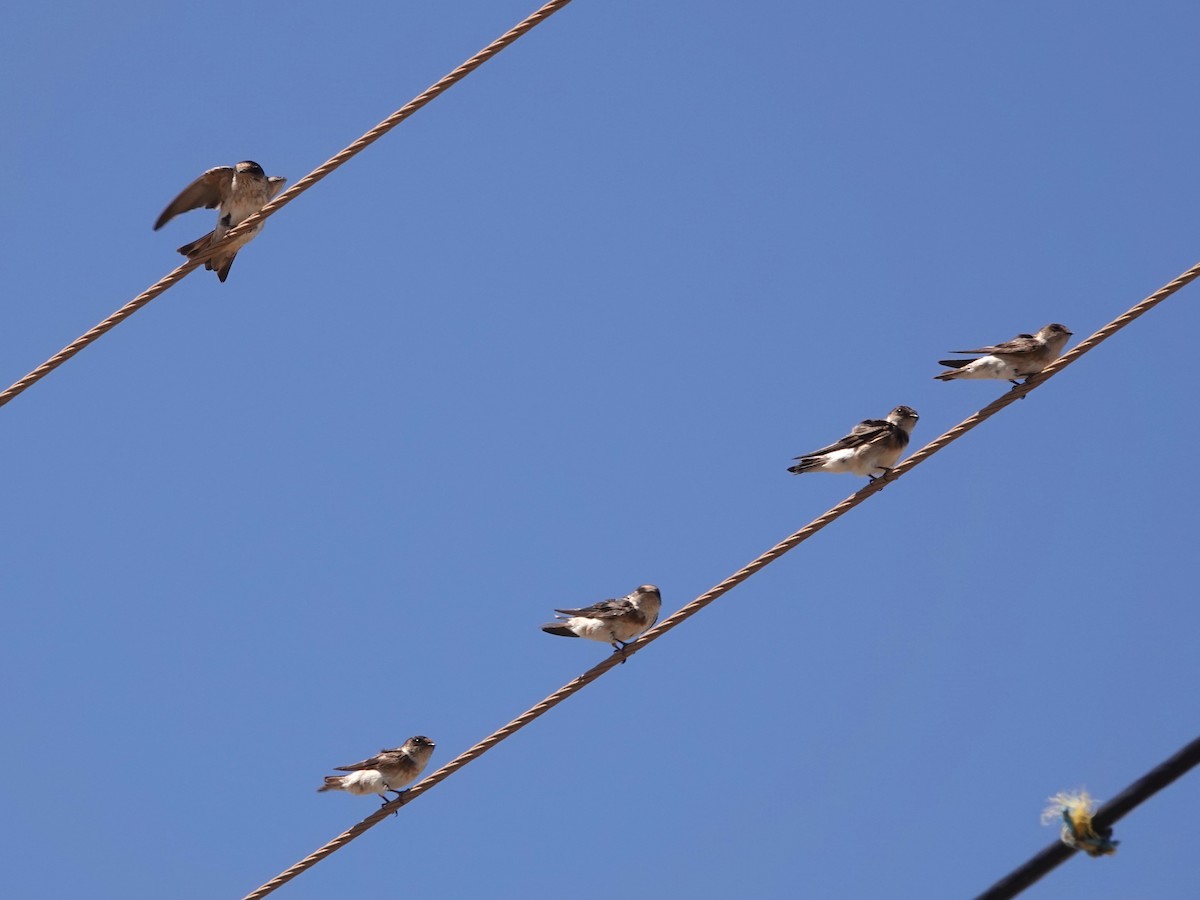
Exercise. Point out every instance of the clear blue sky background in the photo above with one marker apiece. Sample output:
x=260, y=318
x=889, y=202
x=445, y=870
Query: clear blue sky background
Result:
x=560, y=334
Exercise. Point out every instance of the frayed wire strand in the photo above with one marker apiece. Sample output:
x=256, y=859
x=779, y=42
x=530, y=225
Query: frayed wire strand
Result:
x=1106, y=817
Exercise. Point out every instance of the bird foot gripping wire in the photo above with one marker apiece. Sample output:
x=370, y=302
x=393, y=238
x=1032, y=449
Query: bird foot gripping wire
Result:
x=398, y=799
x=1017, y=385
x=1078, y=830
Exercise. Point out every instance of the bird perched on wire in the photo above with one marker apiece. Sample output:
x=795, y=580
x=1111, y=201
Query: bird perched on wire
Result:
x=615, y=621
x=1024, y=355
x=390, y=771
x=236, y=192
x=873, y=444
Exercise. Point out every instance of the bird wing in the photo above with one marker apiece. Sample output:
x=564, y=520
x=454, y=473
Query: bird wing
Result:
x=865, y=432
x=1022, y=343
x=384, y=758
x=605, y=609
x=206, y=191
x=277, y=182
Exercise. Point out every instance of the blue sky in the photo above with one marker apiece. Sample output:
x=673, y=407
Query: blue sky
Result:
x=558, y=335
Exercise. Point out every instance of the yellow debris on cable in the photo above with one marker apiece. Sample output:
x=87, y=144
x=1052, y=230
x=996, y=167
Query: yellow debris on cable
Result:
x=1076, y=809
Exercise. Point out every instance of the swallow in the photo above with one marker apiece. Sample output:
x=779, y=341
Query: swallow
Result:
x=616, y=621
x=1024, y=355
x=236, y=192
x=390, y=771
x=872, y=444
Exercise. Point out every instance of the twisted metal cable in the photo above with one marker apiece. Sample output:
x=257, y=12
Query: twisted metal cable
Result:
x=108, y=324
x=440, y=87
x=686, y=612
x=1133, y=796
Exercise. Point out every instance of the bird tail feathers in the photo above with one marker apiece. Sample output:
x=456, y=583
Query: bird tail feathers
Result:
x=332, y=783
x=221, y=262
x=558, y=628
x=197, y=246
x=954, y=365
x=224, y=262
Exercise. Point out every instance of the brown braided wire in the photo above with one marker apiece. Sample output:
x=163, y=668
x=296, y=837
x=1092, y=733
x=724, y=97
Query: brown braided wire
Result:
x=111, y=322
x=440, y=87
x=686, y=612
